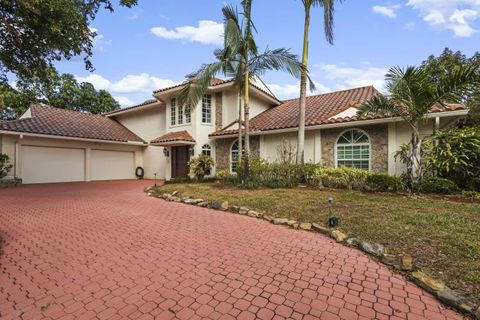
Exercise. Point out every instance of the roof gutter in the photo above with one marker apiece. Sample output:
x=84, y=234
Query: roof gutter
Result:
x=48, y=136
x=131, y=109
x=347, y=124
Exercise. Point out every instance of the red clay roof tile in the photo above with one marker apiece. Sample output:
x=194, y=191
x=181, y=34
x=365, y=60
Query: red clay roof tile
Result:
x=179, y=136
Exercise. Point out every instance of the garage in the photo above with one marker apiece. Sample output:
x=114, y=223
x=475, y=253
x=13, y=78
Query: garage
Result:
x=112, y=165
x=50, y=164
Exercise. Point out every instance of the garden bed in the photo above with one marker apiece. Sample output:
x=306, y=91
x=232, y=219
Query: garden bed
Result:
x=442, y=236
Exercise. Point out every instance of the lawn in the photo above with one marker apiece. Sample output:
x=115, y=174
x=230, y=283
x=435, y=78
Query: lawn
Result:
x=443, y=236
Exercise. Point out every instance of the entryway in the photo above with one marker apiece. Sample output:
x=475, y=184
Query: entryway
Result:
x=180, y=158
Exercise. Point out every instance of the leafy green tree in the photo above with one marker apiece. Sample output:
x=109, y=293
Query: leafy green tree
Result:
x=328, y=7
x=241, y=61
x=412, y=93
x=35, y=34
x=438, y=67
x=61, y=92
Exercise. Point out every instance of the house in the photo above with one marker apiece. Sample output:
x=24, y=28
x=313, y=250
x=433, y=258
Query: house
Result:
x=54, y=145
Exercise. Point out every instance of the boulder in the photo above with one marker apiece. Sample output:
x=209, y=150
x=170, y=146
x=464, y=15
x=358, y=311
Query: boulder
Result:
x=224, y=206
x=391, y=260
x=320, y=228
x=353, y=242
x=204, y=204
x=458, y=299
x=234, y=209
x=166, y=195
x=267, y=218
x=407, y=262
x=174, y=199
x=243, y=210
x=292, y=223
x=192, y=201
x=338, y=235
x=305, y=226
x=216, y=205
x=254, y=214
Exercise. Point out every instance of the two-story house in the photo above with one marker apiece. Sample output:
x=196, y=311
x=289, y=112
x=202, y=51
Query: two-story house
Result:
x=53, y=145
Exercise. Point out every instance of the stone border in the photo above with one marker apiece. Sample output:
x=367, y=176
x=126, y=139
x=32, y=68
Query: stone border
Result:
x=10, y=183
x=456, y=299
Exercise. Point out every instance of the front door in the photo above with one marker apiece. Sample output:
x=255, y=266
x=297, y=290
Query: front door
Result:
x=180, y=157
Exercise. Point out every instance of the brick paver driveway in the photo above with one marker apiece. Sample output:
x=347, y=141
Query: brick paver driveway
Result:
x=107, y=251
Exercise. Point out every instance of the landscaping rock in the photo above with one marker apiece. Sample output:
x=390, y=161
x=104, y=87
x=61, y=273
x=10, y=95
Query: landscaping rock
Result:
x=338, y=235
x=243, y=210
x=407, y=262
x=354, y=242
x=174, y=193
x=254, y=214
x=280, y=221
x=459, y=300
x=234, y=209
x=291, y=223
x=268, y=218
x=375, y=249
x=204, y=204
x=224, y=206
x=166, y=195
x=148, y=188
x=192, y=201
x=305, y=226
x=216, y=205
x=428, y=283
x=174, y=199
x=320, y=229
x=295, y=226
x=391, y=260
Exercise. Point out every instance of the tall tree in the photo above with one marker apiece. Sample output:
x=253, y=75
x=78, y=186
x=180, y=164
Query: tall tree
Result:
x=448, y=60
x=34, y=34
x=412, y=93
x=240, y=61
x=62, y=92
x=328, y=7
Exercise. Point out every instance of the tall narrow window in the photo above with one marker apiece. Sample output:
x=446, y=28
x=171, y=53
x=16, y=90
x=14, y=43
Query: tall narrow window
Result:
x=188, y=115
x=207, y=150
x=207, y=109
x=173, y=112
x=353, y=150
x=234, y=160
x=180, y=114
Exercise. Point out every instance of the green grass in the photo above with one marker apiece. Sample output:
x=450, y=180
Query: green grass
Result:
x=443, y=236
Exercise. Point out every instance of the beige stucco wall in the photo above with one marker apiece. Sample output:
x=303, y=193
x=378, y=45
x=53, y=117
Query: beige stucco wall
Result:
x=12, y=146
x=271, y=143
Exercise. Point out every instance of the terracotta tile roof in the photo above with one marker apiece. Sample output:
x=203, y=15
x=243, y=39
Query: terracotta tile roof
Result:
x=179, y=136
x=320, y=109
x=60, y=122
x=144, y=103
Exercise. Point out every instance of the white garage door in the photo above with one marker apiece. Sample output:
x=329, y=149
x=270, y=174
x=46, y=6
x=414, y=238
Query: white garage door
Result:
x=112, y=165
x=46, y=164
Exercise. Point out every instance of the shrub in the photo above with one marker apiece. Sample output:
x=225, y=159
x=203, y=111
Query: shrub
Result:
x=343, y=178
x=435, y=185
x=5, y=165
x=200, y=166
x=473, y=184
x=379, y=182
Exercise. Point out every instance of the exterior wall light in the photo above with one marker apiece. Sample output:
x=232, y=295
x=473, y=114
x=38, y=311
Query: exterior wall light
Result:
x=191, y=151
x=165, y=152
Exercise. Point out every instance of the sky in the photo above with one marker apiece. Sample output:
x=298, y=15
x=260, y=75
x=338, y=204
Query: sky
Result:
x=156, y=43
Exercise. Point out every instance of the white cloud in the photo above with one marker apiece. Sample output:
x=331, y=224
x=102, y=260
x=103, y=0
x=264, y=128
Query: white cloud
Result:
x=348, y=77
x=207, y=32
x=289, y=91
x=99, y=41
x=124, y=101
x=388, y=11
x=132, y=83
x=409, y=26
x=454, y=15
x=133, y=16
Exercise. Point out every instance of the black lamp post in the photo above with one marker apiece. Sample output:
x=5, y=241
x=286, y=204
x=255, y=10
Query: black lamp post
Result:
x=155, y=175
x=332, y=220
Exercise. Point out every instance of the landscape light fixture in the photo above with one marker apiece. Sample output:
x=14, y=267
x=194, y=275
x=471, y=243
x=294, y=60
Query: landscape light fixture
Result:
x=332, y=220
x=155, y=175
x=165, y=152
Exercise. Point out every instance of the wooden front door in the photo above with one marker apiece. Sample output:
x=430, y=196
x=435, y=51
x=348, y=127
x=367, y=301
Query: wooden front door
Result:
x=180, y=157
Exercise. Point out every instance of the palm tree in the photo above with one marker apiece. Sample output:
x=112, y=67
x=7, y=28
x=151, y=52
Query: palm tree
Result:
x=412, y=94
x=328, y=11
x=240, y=61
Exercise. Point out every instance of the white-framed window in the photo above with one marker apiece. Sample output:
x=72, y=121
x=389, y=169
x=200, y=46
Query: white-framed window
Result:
x=173, y=112
x=188, y=114
x=234, y=156
x=353, y=150
x=207, y=109
x=180, y=114
x=207, y=150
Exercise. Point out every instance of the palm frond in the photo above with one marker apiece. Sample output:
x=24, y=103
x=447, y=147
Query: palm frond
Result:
x=328, y=7
x=278, y=59
x=379, y=105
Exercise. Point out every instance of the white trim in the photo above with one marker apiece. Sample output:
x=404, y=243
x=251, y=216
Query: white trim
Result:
x=347, y=124
x=48, y=136
x=132, y=109
x=230, y=155
x=172, y=143
x=369, y=144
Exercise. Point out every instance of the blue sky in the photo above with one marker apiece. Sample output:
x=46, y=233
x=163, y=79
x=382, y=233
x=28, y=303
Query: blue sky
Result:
x=157, y=43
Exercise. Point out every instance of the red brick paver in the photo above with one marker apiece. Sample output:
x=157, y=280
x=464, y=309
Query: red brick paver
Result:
x=107, y=251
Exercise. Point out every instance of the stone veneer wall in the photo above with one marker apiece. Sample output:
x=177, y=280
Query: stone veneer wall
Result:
x=218, y=111
x=222, y=151
x=378, y=140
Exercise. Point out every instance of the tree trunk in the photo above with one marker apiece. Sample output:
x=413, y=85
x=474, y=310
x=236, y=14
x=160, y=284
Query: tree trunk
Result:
x=240, y=131
x=246, y=109
x=416, y=170
x=303, y=91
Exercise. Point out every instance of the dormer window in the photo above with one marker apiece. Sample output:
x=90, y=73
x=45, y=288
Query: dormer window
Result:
x=207, y=109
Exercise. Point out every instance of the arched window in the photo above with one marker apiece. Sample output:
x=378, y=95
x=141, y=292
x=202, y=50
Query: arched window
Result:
x=207, y=150
x=353, y=150
x=234, y=157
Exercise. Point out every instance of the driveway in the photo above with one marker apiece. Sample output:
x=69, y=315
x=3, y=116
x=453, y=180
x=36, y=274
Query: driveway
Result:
x=105, y=250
